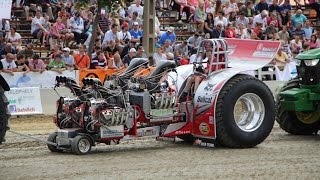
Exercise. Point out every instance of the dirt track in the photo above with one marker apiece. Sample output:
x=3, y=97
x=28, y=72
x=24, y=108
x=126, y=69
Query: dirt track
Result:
x=281, y=156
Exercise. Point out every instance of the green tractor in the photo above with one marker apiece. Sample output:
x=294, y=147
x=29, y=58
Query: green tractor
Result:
x=298, y=102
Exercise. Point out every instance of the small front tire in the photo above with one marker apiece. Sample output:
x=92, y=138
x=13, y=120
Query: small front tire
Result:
x=81, y=145
x=52, y=138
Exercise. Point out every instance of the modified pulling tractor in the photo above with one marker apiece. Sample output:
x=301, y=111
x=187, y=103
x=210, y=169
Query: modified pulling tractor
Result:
x=229, y=108
x=298, y=102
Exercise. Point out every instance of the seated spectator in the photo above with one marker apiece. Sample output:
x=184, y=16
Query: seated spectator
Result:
x=199, y=16
x=248, y=9
x=209, y=24
x=14, y=38
x=47, y=26
x=140, y=53
x=281, y=59
x=242, y=32
x=57, y=64
x=36, y=64
x=181, y=50
x=63, y=12
x=274, y=7
x=7, y=49
x=112, y=51
x=125, y=35
x=115, y=63
x=274, y=17
x=111, y=35
x=58, y=30
x=197, y=57
x=27, y=52
x=9, y=66
x=210, y=8
x=168, y=35
x=22, y=65
x=4, y=27
x=286, y=6
x=298, y=32
x=67, y=58
x=227, y=9
x=261, y=19
x=271, y=32
x=37, y=28
x=136, y=7
x=261, y=6
x=81, y=59
x=77, y=27
x=242, y=19
x=230, y=32
x=298, y=18
x=136, y=33
x=127, y=58
x=218, y=31
x=308, y=30
x=234, y=6
x=259, y=31
x=284, y=35
x=296, y=45
x=193, y=42
x=313, y=43
x=96, y=49
x=99, y=62
x=135, y=18
x=159, y=55
x=167, y=48
x=220, y=18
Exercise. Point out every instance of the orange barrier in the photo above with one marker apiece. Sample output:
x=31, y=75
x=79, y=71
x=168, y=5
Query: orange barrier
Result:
x=96, y=73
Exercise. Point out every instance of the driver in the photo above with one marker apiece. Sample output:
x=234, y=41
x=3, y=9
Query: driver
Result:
x=201, y=72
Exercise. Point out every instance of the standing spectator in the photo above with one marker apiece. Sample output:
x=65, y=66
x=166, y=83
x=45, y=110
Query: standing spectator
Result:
x=14, y=38
x=27, y=52
x=298, y=18
x=218, y=31
x=77, y=27
x=167, y=48
x=140, y=53
x=22, y=65
x=209, y=24
x=168, y=35
x=36, y=64
x=136, y=33
x=136, y=7
x=127, y=58
x=81, y=59
x=111, y=35
x=9, y=66
x=193, y=42
x=67, y=58
x=8, y=48
x=242, y=19
x=4, y=27
x=230, y=32
x=313, y=43
x=57, y=64
x=274, y=7
x=200, y=15
x=261, y=18
x=308, y=30
x=284, y=35
x=159, y=55
x=37, y=28
x=220, y=17
x=181, y=50
x=261, y=6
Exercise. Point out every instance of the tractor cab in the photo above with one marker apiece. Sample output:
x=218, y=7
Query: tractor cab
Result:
x=308, y=67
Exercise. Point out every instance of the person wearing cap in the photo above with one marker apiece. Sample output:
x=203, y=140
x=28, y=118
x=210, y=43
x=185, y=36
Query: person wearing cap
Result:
x=36, y=64
x=136, y=33
x=127, y=58
x=168, y=35
x=140, y=53
x=261, y=18
x=124, y=35
x=57, y=64
x=159, y=55
x=67, y=58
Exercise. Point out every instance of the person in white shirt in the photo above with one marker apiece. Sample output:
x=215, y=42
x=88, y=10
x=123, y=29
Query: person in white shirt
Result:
x=242, y=19
x=37, y=28
x=14, y=38
x=261, y=18
x=4, y=27
x=136, y=7
x=111, y=35
x=9, y=66
x=124, y=35
x=159, y=55
x=220, y=17
x=77, y=27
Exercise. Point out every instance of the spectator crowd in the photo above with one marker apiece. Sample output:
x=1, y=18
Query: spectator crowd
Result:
x=60, y=25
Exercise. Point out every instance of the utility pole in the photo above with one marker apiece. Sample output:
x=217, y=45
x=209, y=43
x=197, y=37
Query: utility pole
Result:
x=149, y=15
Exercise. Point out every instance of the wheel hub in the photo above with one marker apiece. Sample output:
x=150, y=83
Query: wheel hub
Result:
x=84, y=145
x=249, y=112
x=308, y=117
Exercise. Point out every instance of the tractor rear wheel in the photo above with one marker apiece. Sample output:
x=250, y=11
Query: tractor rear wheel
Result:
x=245, y=112
x=297, y=123
x=52, y=138
x=81, y=145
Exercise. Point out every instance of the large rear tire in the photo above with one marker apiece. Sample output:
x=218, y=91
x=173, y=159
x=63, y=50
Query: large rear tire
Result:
x=245, y=112
x=297, y=123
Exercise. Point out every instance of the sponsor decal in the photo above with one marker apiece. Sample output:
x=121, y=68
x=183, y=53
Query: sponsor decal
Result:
x=209, y=87
x=204, y=99
x=204, y=128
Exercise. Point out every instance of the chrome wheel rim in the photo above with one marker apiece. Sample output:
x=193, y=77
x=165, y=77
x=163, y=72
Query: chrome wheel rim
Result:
x=84, y=145
x=249, y=112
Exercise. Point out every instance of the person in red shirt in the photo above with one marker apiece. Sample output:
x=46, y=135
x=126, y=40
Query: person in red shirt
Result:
x=230, y=31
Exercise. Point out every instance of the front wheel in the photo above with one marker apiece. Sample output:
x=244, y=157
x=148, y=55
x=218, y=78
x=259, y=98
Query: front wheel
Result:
x=245, y=112
x=81, y=145
x=52, y=138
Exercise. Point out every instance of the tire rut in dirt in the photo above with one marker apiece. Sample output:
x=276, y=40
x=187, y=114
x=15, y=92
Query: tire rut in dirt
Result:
x=229, y=133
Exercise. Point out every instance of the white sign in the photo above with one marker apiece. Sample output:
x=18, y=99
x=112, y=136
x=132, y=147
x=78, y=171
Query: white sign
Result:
x=24, y=101
x=34, y=79
x=5, y=9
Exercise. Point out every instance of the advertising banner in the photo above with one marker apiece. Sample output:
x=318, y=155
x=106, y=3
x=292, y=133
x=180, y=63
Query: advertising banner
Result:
x=24, y=101
x=32, y=79
x=5, y=9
